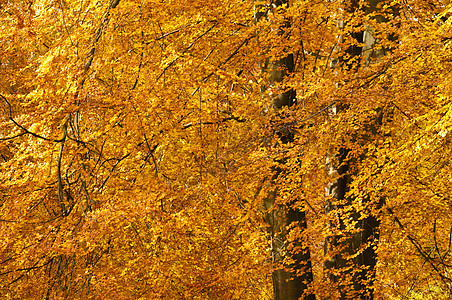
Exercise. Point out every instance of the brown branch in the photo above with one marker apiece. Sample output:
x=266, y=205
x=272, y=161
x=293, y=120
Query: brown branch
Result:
x=64, y=211
x=98, y=34
x=114, y=166
x=26, y=131
x=13, y=137
x=418, y=247
x=188, y=125
x=169, y=33
x=245, y=41
x=184, y=51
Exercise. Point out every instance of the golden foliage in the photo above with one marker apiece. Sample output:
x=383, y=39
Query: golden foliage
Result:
x=138, y=141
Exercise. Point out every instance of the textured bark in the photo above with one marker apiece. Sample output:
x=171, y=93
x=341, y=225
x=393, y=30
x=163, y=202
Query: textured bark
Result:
x=286, y=284
x=292, y=282
x=351, y=267
x=354, y=276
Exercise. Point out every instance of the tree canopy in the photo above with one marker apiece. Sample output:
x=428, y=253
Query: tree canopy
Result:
x=140, y=141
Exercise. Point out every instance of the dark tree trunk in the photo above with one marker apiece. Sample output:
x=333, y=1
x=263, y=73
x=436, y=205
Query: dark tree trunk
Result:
x=292, y=282
x=287, y=285
x=351, y=267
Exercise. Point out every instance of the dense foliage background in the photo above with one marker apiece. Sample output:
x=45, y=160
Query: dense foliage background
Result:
x=144, y=155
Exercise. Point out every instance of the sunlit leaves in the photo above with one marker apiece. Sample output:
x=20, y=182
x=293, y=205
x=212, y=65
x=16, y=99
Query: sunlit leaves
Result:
x=170, y=142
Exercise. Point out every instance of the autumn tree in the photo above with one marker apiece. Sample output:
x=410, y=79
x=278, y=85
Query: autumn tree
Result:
x=180, y=150
x=292, y=259
x=122, y=121
x=351, y=249
x=360, y=212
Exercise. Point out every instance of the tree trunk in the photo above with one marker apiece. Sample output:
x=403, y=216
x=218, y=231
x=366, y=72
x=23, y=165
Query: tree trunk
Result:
x=352, y=251
x=292, y=282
